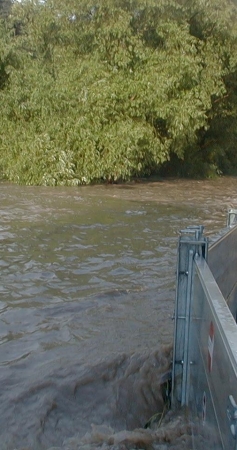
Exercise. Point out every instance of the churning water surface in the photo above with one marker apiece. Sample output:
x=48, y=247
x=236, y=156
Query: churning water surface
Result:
x=87, y=298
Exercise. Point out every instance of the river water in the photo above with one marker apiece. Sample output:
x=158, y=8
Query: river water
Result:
x=87, y=298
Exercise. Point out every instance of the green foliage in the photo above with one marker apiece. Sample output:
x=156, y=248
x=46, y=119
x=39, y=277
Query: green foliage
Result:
x=112, y=90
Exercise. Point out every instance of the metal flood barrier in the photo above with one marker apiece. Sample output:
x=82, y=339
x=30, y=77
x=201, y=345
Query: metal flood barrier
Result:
x=204, y=373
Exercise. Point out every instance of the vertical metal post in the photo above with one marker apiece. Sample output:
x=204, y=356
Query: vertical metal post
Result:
x=232, y=217
x=185, y=376
x=191, y=242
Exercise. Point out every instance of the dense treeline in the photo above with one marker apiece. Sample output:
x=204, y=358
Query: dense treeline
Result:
x=112, y=89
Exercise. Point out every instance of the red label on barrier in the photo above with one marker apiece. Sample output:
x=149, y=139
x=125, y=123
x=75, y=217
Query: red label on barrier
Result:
x=210, y=346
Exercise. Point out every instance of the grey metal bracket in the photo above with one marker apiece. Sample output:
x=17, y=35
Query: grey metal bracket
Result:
x=193, y=235
x=232, y=217
x=191, y=243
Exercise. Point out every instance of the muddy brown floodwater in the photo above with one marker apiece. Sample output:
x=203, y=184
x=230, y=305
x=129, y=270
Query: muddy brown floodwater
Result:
x=87, y=298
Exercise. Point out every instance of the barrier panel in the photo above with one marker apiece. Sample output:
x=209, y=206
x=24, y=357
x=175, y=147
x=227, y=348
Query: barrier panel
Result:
x=204, y=375
x=222, y=260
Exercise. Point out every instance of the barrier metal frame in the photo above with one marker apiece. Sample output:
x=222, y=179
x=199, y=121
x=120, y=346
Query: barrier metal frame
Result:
x=204, y=372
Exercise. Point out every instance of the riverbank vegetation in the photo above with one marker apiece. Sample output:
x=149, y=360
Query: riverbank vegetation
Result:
x=107, y=90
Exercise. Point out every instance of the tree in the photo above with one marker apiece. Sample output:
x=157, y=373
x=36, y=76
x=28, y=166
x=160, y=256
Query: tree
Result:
x=117, y=89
